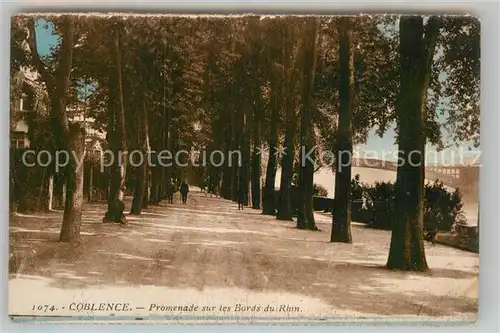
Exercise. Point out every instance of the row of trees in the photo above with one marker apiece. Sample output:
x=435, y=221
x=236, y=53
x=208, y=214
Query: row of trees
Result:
x=243, y=83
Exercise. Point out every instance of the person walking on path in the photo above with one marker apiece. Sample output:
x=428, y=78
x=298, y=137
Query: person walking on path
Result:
x=430, y=227
x=206, y=185
x=170, y=191
x=184, y=191
x=241, y=196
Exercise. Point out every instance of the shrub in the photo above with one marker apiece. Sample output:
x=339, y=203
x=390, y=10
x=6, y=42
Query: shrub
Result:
x=379, y=201
x=442, y=209
x=28, y=185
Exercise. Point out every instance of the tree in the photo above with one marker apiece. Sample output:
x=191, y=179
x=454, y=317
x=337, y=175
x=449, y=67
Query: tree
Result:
x=256, y=63
x=277, y=50
x=116, y=133
x=140, y=194
x=69, y=136
x=416, y=49
x=370, y=97
x=268, y=197
x=305, y=218
x=291, y=78
x=341, y=221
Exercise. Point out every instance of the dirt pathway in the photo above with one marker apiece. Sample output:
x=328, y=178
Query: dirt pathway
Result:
x=209, y=252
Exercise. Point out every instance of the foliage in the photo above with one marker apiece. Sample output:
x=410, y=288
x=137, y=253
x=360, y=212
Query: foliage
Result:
x=375, y=61
x=379, y=201
x=15, y=95
x=442, y=208
x=28, y=184
x=460, y=61
x=170, y=39
x=194, y=64
x=40, y=124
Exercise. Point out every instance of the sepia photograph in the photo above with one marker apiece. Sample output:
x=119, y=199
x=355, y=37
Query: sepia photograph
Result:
x=244, y=168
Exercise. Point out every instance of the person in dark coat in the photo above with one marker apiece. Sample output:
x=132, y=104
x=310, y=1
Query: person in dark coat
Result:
x=206, y=185
x=430, y=236
x=184, y=191
x=170, y=191
x=430, y=228
x=241, y=196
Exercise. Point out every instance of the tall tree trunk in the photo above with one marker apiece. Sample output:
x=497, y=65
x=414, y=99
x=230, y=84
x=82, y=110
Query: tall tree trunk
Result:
x=256, y=158
x=50, y=191
x=305, y=218
x=170, y=139
x=226, y=182
x=244, y=137
x=225, y=190
x=234, y=158
x=286, y=201
x=154, y=197
x=117, y=137
x=341, y=220
x=235, y=138
x=245, y=167
x=115, y=209
x=155, y=168
x=162, y=191
x=147, y=169
x=256, y=164
x=147, y=188
x=416, y=50
x=67, y=137
x=285, y=209
x=285, y=205
x=268, y=198
x=74, y=136
x=141, y=185
x=121, y=112
x=70, y=230
x=148, y=157
x=64, y=192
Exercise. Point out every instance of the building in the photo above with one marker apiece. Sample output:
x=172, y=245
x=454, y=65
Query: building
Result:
x=24, y=107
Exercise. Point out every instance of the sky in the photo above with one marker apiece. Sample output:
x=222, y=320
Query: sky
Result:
x=382, y=148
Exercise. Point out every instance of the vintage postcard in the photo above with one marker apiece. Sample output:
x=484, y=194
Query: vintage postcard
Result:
x=244, y=168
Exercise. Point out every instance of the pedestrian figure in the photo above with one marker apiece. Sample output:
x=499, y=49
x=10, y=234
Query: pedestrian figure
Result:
x=430, y=236
x=184, y=191
x=206, y=185
x=170, y=191
x=241, y=196
x=430, y=227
